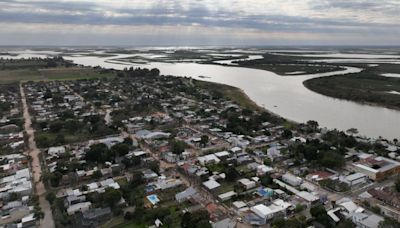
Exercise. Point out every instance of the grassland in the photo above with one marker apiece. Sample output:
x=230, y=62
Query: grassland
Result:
x=367, y=86
x=289, y=65
x=48, y=74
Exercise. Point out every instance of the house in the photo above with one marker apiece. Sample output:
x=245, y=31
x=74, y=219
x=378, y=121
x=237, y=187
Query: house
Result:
x=274, y=153
x=208, y=159
x=56, y=151
x=185, y=195
x=225, y=223
x=170, y=157
x=145, y=134
x=28, y=221
x=79, y=207
x=109, y=141
x=354, y=179
x=277, y=208
x=239, y=204
x=211, y=185
x=363, y=220
x=236, y=149
x=93, y=217
x=226, y=196
x=291, y=179
x=247, y=184
x=223, y=155
x=263, y=169
x=149, y=174
x=309, y=197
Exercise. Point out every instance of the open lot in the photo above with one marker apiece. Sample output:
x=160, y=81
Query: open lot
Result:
x=58, y=73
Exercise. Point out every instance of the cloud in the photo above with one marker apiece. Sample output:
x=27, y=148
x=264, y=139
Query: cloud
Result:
x=318, y=19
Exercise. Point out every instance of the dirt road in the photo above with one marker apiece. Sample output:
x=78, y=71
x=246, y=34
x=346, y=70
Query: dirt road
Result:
x=34, y=152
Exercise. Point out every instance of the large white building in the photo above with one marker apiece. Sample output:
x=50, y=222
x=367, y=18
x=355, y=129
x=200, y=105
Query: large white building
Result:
x=268, y=212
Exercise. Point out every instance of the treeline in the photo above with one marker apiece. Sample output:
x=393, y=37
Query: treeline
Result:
x=139, y=72
x=364, y=87
x=29, y=63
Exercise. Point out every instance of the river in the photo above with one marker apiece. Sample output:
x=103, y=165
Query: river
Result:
x=283, y=95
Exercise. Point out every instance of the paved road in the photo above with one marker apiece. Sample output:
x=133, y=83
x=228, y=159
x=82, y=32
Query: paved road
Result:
x=34, y=152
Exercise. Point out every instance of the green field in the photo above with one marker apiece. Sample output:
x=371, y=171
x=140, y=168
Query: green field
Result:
x=58, y=73
x=289, y=65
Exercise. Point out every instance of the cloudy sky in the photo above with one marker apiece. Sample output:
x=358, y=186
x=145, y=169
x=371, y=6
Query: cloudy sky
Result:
x=200, y=22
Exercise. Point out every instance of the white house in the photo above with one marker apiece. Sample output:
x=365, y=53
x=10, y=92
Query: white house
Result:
x=56, y=151
x=208, y=159
x=247, y=184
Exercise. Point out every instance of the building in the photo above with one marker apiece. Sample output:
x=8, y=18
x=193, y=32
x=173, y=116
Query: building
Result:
x=363, y=220
x=209, y=159
x=185, y=195
x=354, y=179
x=225, y=223
x=292, y=180
x=211, y=185
x=247, y=184
x=79, y=207
x=376, y=168
x=56, y=151
x=277, y=208
x=93, y=218
x=226, y=196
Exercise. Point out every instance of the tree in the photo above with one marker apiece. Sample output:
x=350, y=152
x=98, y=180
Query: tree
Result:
x=197, y=219
x=320, y=215
x=397, y=184
x=97, y=174
x=73, y=126
x=111, y=197
x=137, y=179
x=287, y=134
x=154, y=166
x=60, y=139
x=98, y=153
x=128, y=141
x=42, y=141
x=50, y=196
x=389, y=223
x=313, y=124
x=332, y=159
x=231, y=174
x=317, y=210
x=352, y=131
x=266, y=180
x=346, y=223
x=56, y=126
x=55, y=179
x=178, y=146
x=204, y=140
x=120, y=149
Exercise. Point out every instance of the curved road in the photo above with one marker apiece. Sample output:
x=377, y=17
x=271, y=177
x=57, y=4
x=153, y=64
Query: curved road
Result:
x=34, y=152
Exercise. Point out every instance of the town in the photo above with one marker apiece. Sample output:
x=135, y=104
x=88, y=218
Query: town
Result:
x=145, y=150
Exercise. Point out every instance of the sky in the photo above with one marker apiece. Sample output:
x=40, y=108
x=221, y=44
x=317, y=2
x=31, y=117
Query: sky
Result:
x=199, y=22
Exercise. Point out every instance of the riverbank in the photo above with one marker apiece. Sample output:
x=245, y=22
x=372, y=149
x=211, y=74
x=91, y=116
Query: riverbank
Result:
x=367, y=87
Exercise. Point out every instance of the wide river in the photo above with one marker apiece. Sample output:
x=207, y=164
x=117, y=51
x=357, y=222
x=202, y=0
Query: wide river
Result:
x=283, y=95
